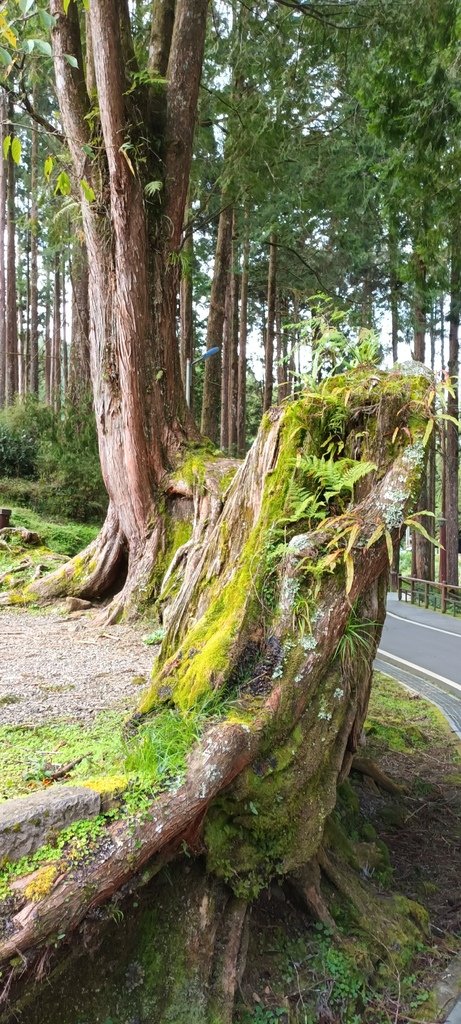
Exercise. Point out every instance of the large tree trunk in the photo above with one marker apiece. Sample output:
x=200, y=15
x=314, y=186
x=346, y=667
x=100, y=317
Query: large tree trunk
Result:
x=264, y=620
x=133, y=240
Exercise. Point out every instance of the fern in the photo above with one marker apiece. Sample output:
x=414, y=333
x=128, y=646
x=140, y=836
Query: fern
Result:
x=335, y=478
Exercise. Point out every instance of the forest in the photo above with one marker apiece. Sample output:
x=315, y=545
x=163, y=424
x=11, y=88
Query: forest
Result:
x=230, y=293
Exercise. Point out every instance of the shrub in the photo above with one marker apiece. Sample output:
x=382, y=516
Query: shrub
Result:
x=60, y=451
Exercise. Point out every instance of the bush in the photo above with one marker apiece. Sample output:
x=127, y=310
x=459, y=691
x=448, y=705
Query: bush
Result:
x=22, y=427
x=60, y=452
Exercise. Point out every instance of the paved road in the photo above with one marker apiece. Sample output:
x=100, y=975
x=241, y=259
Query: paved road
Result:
x=423, y=649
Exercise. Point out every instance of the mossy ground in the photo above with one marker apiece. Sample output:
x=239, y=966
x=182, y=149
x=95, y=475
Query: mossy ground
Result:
x=58, y=540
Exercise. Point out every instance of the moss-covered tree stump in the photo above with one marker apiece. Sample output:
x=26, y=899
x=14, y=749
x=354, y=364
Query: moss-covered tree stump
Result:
x=272, y=612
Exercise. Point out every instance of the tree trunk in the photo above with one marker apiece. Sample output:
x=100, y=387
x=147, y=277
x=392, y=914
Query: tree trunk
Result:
x=33, y=294
x=65, y=352
x=133, y=241
x=48, y=340
x=187, y=344
x=270, y=329
x=56, y=361
x=267, y=604
x=234, y=345
x=225, y=365
x=212, y=384
x=3, y=191
x=12, y=360
x=243, y=333
x=421, y=548
x=79, y=363
x=451, y=468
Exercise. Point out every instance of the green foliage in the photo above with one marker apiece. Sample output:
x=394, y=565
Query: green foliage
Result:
x=65, y=538
x=61, y=452
x=357, y=640
x=22, y=426
x=159, y=757
x=335, y=477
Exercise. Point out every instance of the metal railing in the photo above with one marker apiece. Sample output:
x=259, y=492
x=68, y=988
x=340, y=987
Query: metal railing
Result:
x=428, y=594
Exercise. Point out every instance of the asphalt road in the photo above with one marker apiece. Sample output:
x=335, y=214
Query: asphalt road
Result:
x=423, y=650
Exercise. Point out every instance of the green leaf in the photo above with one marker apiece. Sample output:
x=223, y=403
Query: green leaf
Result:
x=428, y=431
x=69, y=57
x=5, y=57
x=390, y=546
x=422, y=530
x=88, y=150
x=42, y=46
x=88, y=191
x=48, y=167
x=349, y=561
x=16, y=150
x=63, y=185
x=153, y=187
x=25, y=6
x=66, y=5
x=6, y=146
x=46, y=19
x=375, y=536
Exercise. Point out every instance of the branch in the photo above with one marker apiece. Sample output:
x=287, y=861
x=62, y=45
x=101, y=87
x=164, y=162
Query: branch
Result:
x=294, y=252
x=22, y=100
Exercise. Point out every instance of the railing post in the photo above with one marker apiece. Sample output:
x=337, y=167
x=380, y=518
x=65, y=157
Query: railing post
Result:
x=399, y=587
x=443, y=600
x=426, y=594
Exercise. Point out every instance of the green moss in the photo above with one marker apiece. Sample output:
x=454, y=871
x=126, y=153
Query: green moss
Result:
x=41, y=884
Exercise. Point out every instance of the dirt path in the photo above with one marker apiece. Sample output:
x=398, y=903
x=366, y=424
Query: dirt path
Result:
x=54, y=667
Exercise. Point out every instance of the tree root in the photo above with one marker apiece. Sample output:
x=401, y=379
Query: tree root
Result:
x=88, y=575
x=365, y=766
x=305, y=884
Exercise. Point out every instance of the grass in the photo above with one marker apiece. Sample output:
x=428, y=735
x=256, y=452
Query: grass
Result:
x=402, y=723
x=26, y=751
x=63, y=538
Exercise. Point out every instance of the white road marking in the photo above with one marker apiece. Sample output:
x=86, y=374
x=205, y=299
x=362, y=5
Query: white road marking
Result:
x=422, y=625
x=422, y=671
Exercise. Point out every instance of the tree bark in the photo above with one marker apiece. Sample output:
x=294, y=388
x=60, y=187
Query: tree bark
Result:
x=65, y=351
x=48, y=339
x=421, y=548
x=56, y=360
x=3, y=190
x=33, y=295
x=187, y=345
x=12, y=346
x=79, y=363
x=133, y=242
x=270, y=329
x=225, y=365
x=451, y=468
x=212, y=388
x=234, y=344
x=243, y=334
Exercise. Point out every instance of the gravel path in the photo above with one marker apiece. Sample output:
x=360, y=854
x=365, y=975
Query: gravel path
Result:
x=53, y=667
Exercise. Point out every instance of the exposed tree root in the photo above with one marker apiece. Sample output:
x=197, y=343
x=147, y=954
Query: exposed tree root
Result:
x=367, y=767
x=305, y=883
